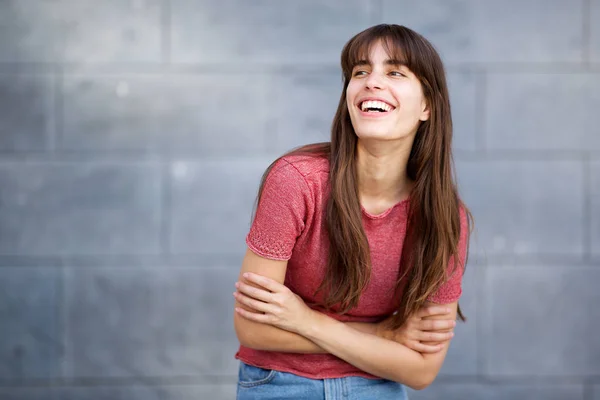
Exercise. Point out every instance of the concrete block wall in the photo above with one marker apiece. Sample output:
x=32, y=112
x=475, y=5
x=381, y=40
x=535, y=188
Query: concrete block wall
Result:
x=132, y=137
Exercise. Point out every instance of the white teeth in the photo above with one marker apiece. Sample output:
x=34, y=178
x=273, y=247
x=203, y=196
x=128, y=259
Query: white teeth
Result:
x=375, y=104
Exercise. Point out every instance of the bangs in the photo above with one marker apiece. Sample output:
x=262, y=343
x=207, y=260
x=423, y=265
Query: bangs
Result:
x=357, y=51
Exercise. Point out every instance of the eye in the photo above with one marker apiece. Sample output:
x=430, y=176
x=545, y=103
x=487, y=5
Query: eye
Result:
x=359, y=72
x=397, y=73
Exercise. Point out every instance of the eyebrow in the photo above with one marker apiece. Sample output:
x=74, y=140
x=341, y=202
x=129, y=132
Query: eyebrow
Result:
x=389, y=61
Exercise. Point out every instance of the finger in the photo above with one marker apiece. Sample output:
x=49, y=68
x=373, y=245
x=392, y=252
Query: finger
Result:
x=429, y=336
x=254, y=292
x=265, y=282
x=425, y=348
x=436, y=324
x=262, y=318
x=254, y=304
x=432, y=310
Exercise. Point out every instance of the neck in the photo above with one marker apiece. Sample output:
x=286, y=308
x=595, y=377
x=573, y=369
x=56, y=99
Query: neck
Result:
x=381, y=170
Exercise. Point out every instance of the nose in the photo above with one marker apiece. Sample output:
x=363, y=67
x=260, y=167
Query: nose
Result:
x=374, y=81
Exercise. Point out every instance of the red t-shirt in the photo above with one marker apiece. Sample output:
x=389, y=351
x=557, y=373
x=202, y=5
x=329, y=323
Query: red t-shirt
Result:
x=290, y=225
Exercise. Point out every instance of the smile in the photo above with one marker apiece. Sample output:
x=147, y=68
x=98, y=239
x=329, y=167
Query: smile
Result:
x=375, y=106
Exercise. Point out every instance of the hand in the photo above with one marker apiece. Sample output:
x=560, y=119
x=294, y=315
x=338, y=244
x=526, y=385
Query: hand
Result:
x=419, y=334
x=272, y=302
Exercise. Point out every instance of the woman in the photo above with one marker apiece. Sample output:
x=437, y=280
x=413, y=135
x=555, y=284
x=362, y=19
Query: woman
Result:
x=351, y=281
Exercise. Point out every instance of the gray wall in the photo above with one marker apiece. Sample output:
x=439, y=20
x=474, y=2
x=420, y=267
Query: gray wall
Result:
x=132, y=137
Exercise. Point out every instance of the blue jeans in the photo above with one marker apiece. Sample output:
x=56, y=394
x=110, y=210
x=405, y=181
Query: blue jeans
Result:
x=263, y=384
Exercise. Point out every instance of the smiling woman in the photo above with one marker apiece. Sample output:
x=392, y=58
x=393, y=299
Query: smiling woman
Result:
x=352, y=276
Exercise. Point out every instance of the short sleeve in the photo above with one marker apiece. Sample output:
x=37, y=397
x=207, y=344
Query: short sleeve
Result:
x=281, y=213
x=451, y=290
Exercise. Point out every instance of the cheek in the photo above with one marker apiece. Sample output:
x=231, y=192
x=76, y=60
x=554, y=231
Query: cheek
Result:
x=348, y=102
x=351, y=92
x=411, y=99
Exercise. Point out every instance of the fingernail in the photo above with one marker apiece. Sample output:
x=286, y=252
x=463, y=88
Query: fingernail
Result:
x=234, y=294
x=453, y=323
x=246, y=275
x=237, y=284
x=451, y=334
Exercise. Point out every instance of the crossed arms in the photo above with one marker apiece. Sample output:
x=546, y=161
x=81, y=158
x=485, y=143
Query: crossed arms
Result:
x=270, y=317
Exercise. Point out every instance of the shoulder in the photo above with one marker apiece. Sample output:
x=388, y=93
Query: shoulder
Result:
x=464, y=233
x=306, y=165
x=465, y=219
x=295, y=180
x=312, y=170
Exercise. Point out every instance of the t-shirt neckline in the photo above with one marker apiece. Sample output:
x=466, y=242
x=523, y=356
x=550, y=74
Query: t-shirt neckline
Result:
x=386, y=212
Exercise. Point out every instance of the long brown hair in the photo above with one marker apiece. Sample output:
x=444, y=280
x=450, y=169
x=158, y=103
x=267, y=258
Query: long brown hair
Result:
x=433, y=227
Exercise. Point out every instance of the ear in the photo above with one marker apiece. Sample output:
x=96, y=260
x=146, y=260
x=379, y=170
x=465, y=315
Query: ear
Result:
x=425, y=113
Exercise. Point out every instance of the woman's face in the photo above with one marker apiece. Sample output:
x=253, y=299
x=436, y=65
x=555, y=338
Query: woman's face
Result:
x=384, y=98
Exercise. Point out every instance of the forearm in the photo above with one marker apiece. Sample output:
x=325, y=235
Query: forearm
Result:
x=370, y=353
x=270, y=338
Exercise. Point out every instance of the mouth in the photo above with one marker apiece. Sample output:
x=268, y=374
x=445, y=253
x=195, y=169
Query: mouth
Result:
x=373, y=107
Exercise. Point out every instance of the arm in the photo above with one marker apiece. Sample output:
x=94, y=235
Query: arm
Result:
x=276, y=305
x=375, y=355
x=261, y=336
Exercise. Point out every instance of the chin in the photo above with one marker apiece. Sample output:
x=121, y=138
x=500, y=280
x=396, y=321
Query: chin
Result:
x=377, y=135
